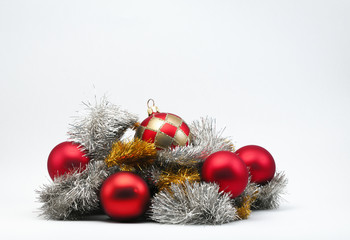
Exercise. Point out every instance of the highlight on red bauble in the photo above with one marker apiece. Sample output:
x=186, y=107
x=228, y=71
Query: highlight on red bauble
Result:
x=124, y=196
x=227, y=170
x=66, y=157
x=260, y=162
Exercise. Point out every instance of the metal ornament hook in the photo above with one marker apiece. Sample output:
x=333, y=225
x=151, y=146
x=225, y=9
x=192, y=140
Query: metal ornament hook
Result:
x=148, y=102
x=151, y=109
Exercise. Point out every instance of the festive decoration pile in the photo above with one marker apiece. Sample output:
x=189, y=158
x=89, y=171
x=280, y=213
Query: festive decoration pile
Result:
x=170, y=172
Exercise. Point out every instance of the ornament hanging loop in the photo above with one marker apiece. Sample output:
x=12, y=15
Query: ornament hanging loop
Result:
x=151, y=107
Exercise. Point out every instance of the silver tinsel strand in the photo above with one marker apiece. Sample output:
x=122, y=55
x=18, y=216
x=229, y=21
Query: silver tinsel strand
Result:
x=250, y=190
x=269, y=195
x=205, y=141
x=193, y=203
x=99, y=126
x=74, y=195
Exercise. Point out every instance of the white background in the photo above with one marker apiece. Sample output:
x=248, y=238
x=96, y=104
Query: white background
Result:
x=274, y=73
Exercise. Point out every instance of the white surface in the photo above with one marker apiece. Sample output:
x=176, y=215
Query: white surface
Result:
x=275, y=73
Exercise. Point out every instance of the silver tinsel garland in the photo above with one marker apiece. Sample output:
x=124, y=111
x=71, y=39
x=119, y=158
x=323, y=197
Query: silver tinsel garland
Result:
x=74, y=195
x=196, y=203
x=205, y=141
x=250, y=190
x=270, y=194
x=99, y=126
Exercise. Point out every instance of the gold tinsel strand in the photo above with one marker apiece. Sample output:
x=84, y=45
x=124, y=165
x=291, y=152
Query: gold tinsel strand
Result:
x=128, y=155
x=244, y=210
x=127, y=168
x=233, y=148
x=177, y=176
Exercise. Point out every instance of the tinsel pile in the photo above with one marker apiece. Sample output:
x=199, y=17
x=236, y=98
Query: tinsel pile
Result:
x=178, y=193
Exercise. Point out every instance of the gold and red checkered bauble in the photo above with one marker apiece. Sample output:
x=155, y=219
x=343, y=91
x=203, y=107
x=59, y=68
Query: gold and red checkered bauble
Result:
x=164, y=130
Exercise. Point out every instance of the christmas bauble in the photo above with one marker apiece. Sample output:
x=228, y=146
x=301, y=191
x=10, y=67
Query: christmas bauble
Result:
x=65, y=157
x=228, y=170
x=259, y=161
x=124, y=196
x=164, y=130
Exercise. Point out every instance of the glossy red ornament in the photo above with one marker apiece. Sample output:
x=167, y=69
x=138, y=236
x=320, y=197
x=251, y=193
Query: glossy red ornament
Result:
x=260, y=162
x=65, y=157
x=228, y=170
x=124, y=196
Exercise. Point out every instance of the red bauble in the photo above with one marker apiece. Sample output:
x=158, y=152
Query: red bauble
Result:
x=124, y=196
x=164, y=130
x=65, y=157
x=228, y=170
x=260, y=162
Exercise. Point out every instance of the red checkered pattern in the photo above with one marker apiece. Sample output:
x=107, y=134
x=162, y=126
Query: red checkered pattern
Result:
x=164, y=130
